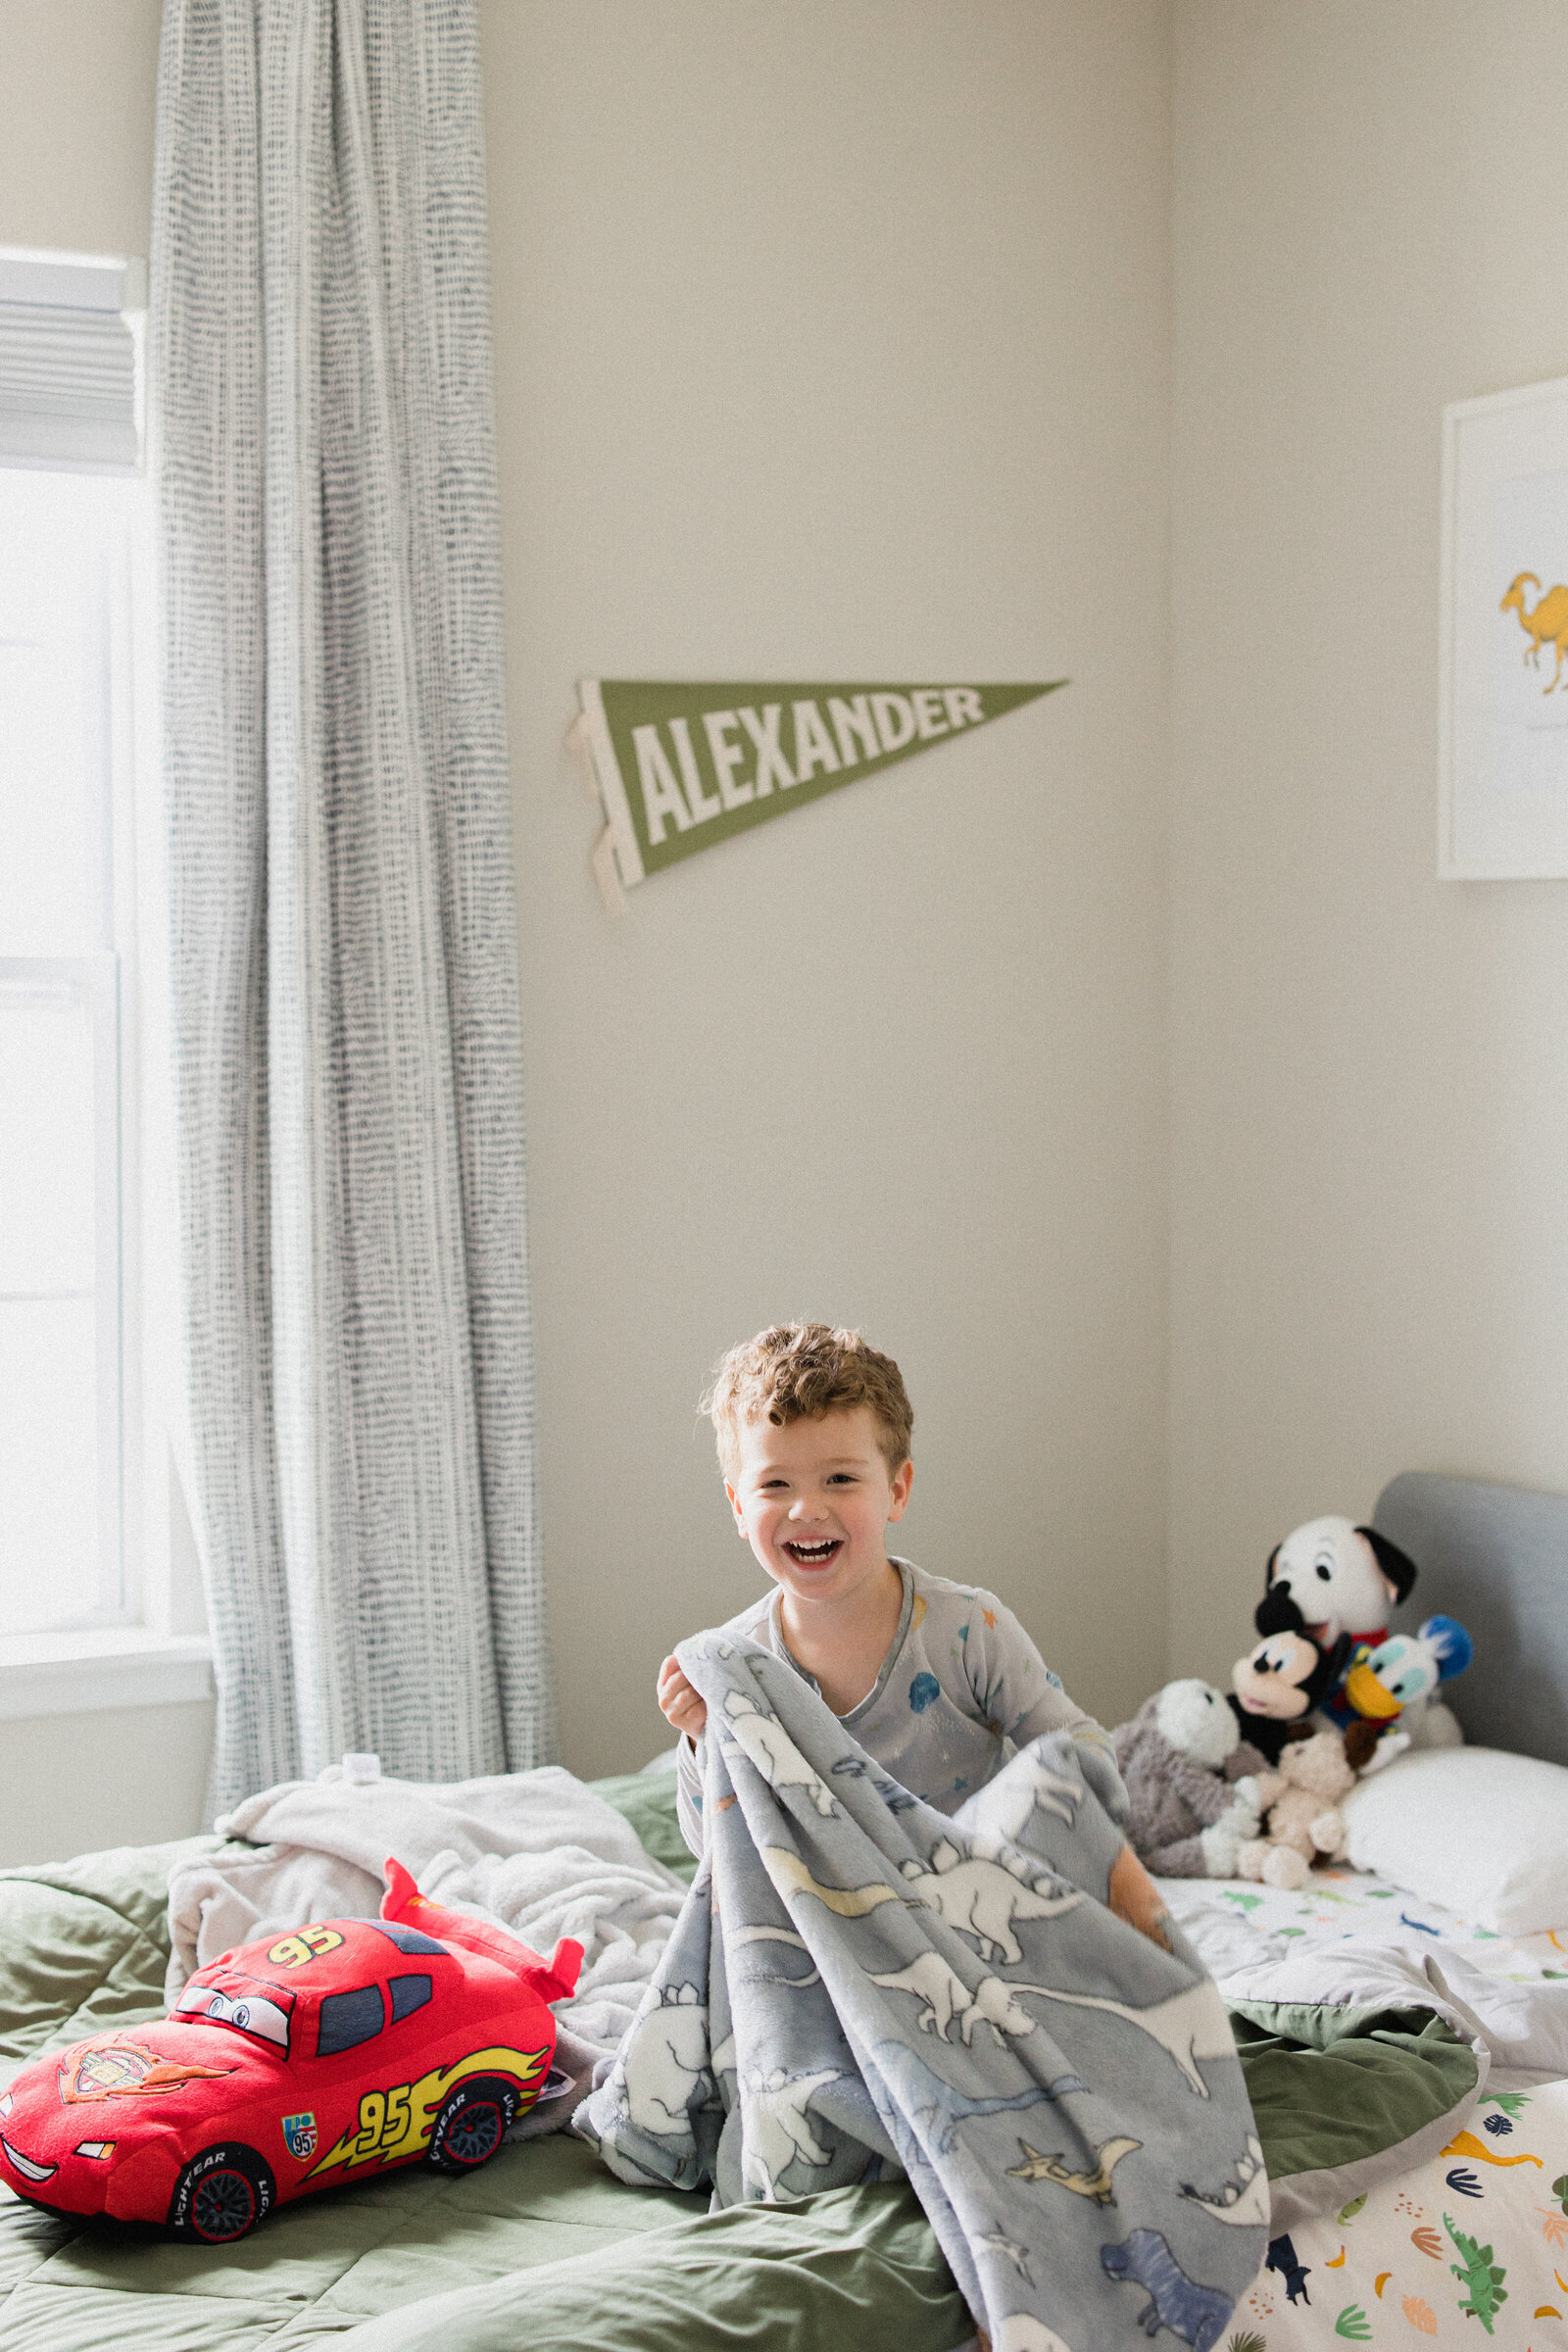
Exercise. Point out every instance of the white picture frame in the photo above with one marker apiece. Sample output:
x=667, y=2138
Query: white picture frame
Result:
x=1503, y=741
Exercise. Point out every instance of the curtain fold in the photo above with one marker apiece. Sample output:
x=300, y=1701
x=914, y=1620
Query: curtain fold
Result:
x=344, y=960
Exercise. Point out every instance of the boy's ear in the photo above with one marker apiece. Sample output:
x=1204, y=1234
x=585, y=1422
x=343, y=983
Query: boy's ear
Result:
x=735, y=1506
x=903, y=1481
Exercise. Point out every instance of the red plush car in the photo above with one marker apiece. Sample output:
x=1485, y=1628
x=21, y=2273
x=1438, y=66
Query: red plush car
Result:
x=330, y=2054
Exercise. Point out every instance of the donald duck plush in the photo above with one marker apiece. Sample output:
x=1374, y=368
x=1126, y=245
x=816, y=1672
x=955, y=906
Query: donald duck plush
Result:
x=1394, y=1683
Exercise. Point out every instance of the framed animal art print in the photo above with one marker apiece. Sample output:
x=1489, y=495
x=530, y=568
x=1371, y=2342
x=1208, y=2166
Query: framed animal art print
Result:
x=1503, y=724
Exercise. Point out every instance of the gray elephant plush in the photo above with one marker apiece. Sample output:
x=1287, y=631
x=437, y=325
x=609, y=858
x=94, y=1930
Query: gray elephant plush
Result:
x=1192, y=1781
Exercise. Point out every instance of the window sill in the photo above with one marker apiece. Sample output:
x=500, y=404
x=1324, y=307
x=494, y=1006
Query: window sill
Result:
x=105, y=1666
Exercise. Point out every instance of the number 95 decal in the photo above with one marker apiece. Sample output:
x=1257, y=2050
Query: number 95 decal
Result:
x=383, y=2122
x=396, y=2123
x=306, y=1943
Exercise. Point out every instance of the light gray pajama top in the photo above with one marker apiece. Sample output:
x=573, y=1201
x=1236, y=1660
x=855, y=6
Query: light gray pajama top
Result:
x=962, y=1690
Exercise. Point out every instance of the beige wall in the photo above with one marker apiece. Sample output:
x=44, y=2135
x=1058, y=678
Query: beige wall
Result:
x=76, y=90
x=126, y=1775
x=832, y=342
x=1371, y=1114
x=836, y=339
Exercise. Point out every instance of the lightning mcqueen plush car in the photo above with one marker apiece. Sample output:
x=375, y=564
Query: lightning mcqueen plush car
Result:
x=326, y=2055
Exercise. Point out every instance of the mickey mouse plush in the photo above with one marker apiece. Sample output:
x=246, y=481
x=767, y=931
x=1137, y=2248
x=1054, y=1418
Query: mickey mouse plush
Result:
x=1329, y=1579
x=1280, y=1683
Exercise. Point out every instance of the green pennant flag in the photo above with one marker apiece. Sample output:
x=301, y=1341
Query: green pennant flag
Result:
x=678, y=767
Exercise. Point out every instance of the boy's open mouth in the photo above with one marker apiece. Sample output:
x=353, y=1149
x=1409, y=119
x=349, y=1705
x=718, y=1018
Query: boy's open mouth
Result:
x=816, y=1555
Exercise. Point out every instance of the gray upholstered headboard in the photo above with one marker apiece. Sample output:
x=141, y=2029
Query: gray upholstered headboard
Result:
x=1496, y=1558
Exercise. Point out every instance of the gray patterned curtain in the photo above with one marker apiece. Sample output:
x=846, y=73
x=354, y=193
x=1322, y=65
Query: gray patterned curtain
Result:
x=345, y=991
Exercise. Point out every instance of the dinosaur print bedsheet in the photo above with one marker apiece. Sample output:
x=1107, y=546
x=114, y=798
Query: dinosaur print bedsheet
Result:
x=860, y=1987
x=1469, y=2248
x=1237, y=1922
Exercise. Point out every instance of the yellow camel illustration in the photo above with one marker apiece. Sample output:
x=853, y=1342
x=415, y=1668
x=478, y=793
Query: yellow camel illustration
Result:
x=1545, y=624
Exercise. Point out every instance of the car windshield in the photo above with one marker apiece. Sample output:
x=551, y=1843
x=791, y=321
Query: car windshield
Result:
x=260, y=2010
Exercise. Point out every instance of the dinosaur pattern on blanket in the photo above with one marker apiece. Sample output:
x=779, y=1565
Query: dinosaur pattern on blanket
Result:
x=859, y=1986
x=669, y=2064
x=982, y=1899
x=1175, y=2301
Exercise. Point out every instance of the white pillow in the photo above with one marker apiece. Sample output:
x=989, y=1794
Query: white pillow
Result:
x=1475, y=1828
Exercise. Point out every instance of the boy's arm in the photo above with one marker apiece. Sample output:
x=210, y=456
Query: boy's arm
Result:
x=1020, y=1699
x=1015, y=1693
x=689, y=1794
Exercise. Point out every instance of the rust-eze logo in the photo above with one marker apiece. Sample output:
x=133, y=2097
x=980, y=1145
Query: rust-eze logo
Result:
x=121, y=2069
x=299, y=2134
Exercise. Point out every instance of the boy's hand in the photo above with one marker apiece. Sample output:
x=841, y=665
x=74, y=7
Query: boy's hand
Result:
x=680, y=1705
x=1136, y=1898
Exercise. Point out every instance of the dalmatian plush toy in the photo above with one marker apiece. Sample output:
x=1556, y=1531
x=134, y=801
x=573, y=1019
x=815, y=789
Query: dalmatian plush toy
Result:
x=1335, y=1584
x=1329, y=1578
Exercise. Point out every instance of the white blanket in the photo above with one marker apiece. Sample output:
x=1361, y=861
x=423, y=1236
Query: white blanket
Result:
x=535, y=1850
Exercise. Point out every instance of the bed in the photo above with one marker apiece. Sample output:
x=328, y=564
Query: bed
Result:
x=1473, y=2242
x=545, y=2248
x=542, y=2231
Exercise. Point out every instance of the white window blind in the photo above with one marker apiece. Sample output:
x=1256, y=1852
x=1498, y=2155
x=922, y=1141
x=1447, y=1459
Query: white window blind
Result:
x=71, y=343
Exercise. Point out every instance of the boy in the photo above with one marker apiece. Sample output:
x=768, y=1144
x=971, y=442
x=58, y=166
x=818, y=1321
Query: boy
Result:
x=938, y=1681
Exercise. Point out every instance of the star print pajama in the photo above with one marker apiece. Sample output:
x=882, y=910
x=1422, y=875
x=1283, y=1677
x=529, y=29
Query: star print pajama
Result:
x=962, y=1690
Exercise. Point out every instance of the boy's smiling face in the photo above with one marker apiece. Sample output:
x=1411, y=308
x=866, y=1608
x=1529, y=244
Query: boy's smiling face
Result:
x=814, y=1498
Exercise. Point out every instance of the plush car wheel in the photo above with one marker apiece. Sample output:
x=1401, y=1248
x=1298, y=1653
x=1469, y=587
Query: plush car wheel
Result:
x=471, y=2125
x=220, y=2194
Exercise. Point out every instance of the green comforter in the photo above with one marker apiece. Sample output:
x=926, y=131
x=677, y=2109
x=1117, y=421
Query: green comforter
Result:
x=543, y=2248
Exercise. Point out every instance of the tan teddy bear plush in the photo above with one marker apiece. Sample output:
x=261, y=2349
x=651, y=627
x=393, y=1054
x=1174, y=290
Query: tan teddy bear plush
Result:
x=1301, y=1815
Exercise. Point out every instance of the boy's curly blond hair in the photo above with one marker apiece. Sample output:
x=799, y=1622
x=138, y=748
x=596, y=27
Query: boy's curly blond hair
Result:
x=799, y=1371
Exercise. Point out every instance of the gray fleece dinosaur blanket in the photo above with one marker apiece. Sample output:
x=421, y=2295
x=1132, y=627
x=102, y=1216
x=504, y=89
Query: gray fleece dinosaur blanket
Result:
x=858, y=1986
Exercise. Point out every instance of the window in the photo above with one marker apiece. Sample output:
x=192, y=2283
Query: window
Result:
x=408, y=1994
x=65, y=925
x=96, y=1556
x=407, y=1940
x=348, y=2019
